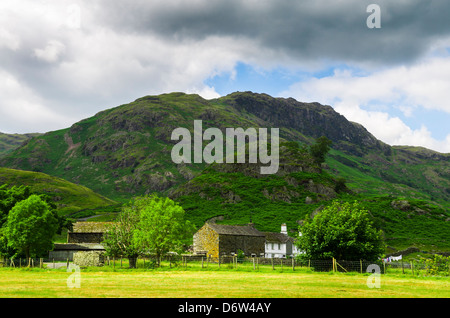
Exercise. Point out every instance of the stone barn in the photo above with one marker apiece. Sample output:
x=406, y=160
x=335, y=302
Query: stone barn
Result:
x=88, y=232
x=85, y=237
x=218, y=239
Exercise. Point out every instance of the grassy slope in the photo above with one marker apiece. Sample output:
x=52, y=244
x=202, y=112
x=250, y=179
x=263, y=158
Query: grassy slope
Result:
x=124, y=151
x=69, y=197
x=273, y=200
x=9, y=142
x=401, y=175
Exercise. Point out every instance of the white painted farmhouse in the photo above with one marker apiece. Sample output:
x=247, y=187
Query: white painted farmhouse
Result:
x=280, y=245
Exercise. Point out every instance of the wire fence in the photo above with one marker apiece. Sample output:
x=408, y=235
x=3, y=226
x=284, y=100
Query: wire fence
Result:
x=414, y=267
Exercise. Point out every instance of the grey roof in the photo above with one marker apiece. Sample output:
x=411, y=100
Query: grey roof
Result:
x=78, y=246
x=91, y=227
x=277, y=237
x=243, y=230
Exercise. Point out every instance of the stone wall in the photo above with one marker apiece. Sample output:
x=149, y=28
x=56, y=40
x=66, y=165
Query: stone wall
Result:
x=206, y=240
x=85, y=238
x=229, y=244
x=89, y=258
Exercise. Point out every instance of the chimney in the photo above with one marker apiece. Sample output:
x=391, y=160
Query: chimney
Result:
x=283, y=229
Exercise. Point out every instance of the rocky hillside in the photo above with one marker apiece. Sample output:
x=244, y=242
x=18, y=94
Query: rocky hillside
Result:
x=9, y=142
x=125, y=151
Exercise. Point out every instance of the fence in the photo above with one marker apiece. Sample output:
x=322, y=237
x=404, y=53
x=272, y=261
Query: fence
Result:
x=32, y=262
x=413, y=267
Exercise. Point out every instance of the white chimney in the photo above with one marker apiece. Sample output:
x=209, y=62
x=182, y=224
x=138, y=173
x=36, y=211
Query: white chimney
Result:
x=283, y=229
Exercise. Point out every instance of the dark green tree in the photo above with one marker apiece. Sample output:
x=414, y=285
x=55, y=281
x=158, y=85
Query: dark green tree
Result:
x=9, y=197
x=343, y=231
x=30, y=227
x=319, y=149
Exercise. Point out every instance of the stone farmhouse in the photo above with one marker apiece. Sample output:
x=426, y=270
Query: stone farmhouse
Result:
x=217, y=239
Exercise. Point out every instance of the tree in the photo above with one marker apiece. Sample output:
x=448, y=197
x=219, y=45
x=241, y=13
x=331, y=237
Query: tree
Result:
x=320, y=149
x=9, y=197
x=162, y=227
x=31, y=226
x=343, y=231
x=119, y=239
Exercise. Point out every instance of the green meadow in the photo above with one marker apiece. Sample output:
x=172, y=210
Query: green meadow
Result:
x=213, y=282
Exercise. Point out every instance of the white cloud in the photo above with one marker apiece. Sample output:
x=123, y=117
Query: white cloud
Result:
x=89, y=66
x=9, y=40
x=101, y=54
x=369, y=99
x=21, y=107
x=52, y=51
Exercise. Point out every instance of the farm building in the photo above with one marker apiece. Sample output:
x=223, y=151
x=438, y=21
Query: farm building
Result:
x=218, y=239
x=88, y=232
x=84, y=237
x=280, y=245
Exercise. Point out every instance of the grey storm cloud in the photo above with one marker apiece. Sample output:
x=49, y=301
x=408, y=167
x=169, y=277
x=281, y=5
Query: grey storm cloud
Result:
x=333, y=30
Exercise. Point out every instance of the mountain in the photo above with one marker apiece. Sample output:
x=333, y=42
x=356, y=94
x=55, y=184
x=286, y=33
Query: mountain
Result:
x=68, y=197
x=9, y=142
x=125, y=151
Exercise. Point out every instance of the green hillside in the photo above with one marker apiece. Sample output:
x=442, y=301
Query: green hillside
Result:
x=9, y=142
x=232, y=194
x=125, y=151
x=69, y=198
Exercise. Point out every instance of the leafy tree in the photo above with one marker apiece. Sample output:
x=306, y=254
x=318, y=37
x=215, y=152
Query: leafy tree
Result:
x=9, y=196
x=119, y=239
x=31, y=226
x=320, y=149
x=343, y=231
x=162, y=227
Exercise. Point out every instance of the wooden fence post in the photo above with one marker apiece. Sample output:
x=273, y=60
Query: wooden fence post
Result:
x=293, y=264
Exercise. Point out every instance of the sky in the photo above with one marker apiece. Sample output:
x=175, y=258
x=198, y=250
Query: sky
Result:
x=63, y=61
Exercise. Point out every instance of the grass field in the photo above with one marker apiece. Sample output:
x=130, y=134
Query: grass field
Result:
x=214, y=283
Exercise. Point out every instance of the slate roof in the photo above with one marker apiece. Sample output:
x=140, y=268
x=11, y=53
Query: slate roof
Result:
x=243, y=230
x=78, y=246
x=91, y=227
x=277, y=237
